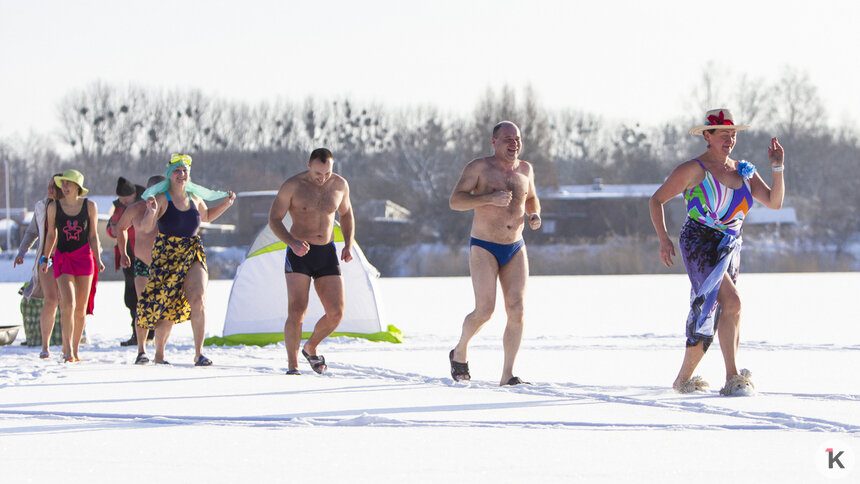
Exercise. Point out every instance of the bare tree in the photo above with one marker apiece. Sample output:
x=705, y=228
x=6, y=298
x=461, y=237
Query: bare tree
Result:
x=797, y=105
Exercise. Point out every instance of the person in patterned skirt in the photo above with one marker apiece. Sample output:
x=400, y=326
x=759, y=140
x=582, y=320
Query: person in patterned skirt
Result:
x=176, y=289
x=719, y=192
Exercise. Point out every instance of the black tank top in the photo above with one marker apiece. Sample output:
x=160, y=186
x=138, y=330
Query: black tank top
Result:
x=178, y=223
x=72, y=231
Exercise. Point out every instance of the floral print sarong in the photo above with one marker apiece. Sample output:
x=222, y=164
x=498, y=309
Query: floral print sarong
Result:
x=708, y=254
x=164, y=294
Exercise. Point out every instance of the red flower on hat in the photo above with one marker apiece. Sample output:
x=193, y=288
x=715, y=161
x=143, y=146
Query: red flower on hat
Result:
x=719, y=120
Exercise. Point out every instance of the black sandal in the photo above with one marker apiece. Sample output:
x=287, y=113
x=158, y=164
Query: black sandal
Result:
x=459, y=371
x=141, y=359
x=515, y=380
x=317, y=362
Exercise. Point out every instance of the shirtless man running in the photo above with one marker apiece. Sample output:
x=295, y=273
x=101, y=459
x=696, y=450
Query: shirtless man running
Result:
x=143, y=240
x=312, y=198
x=501, y=191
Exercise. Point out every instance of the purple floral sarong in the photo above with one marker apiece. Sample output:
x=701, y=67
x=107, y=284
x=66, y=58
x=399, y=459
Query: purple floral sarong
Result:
x=708, y=254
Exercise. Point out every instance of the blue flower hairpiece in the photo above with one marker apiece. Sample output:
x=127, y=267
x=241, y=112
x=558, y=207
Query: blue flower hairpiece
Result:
x=746, y=169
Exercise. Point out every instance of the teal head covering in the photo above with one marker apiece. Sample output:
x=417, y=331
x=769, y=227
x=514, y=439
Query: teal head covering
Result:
x=190, y=187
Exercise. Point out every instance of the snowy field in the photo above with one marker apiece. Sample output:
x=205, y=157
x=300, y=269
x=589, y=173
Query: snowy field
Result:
x=602, y=352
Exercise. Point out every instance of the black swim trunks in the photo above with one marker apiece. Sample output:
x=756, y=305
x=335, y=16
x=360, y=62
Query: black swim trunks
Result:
x=321, y=260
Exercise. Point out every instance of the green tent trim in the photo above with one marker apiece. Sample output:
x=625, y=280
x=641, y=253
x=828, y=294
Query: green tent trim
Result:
x=392, y=335
x=338, y=237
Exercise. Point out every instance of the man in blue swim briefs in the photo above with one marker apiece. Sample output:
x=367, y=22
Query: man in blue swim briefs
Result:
x=312, y=198
x=501, y=191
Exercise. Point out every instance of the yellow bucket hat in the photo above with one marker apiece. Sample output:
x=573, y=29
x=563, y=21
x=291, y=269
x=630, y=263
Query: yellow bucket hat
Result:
x=73, y=176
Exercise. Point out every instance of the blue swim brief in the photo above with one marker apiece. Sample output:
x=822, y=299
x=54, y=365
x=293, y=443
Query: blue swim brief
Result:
x=502, y=252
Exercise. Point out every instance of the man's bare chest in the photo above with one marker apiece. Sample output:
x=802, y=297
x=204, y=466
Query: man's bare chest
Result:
x=318, y=200
x=514, y=182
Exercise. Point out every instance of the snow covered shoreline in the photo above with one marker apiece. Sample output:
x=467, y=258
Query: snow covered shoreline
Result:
x=601, y=351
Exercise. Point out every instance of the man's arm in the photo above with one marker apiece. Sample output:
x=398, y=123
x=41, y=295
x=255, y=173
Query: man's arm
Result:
x=462, y=197
x=280, y=208
x=347, y=224
x=155, y=207
x=533, y=204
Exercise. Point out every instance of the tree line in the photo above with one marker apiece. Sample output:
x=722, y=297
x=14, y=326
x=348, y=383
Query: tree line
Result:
x=413, y=156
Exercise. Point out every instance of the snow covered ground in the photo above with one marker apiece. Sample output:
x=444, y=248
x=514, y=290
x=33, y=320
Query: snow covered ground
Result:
x=602, y=352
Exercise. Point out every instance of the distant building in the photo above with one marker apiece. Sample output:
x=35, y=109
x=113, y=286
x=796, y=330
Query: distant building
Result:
x=214, y=234
x=377, y=221
x=385, y=211
x=383, y=222
x=251, y=213
x=600, y=210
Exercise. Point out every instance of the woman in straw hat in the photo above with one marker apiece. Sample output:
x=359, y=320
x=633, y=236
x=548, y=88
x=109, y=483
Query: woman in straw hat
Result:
x=73, y=228
x=42, y=285
x=177, y=285
x=719, y=192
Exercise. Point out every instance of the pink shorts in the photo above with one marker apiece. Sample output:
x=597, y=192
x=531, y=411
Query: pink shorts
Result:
x=78, y=262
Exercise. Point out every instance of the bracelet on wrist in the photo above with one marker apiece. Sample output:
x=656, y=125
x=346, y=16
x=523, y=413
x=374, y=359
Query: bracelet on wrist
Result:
x=777, y=168
x=43, y=260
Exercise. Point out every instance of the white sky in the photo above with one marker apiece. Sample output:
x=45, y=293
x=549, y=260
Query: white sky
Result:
x=635, y=60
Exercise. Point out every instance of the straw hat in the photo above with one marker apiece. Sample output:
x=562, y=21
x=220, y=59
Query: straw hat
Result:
x=73, y=176
x=721, y=118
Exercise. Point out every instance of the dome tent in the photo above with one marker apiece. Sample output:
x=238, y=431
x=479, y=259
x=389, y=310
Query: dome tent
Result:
x=257, y=308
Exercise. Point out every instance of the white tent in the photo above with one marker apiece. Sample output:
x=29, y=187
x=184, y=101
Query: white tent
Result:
x=257, y=308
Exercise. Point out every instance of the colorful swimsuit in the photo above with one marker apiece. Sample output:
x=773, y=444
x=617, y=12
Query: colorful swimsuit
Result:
x=717, y=206
x=710, y=245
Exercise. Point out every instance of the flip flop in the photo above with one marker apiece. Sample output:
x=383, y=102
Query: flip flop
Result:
x=44, y=355
x=515, y=380
x=141, y=359
x=317, y=362
x=459, y=371
x=203, y=361
x=294, y=371
x=162, y=362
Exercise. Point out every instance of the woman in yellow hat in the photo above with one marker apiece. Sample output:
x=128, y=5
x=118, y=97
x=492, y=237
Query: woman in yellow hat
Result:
x=72, y=227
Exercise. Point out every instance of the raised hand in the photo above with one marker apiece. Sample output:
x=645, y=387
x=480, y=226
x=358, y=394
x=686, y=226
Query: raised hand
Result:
x=775, y=153
x=151, y=205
